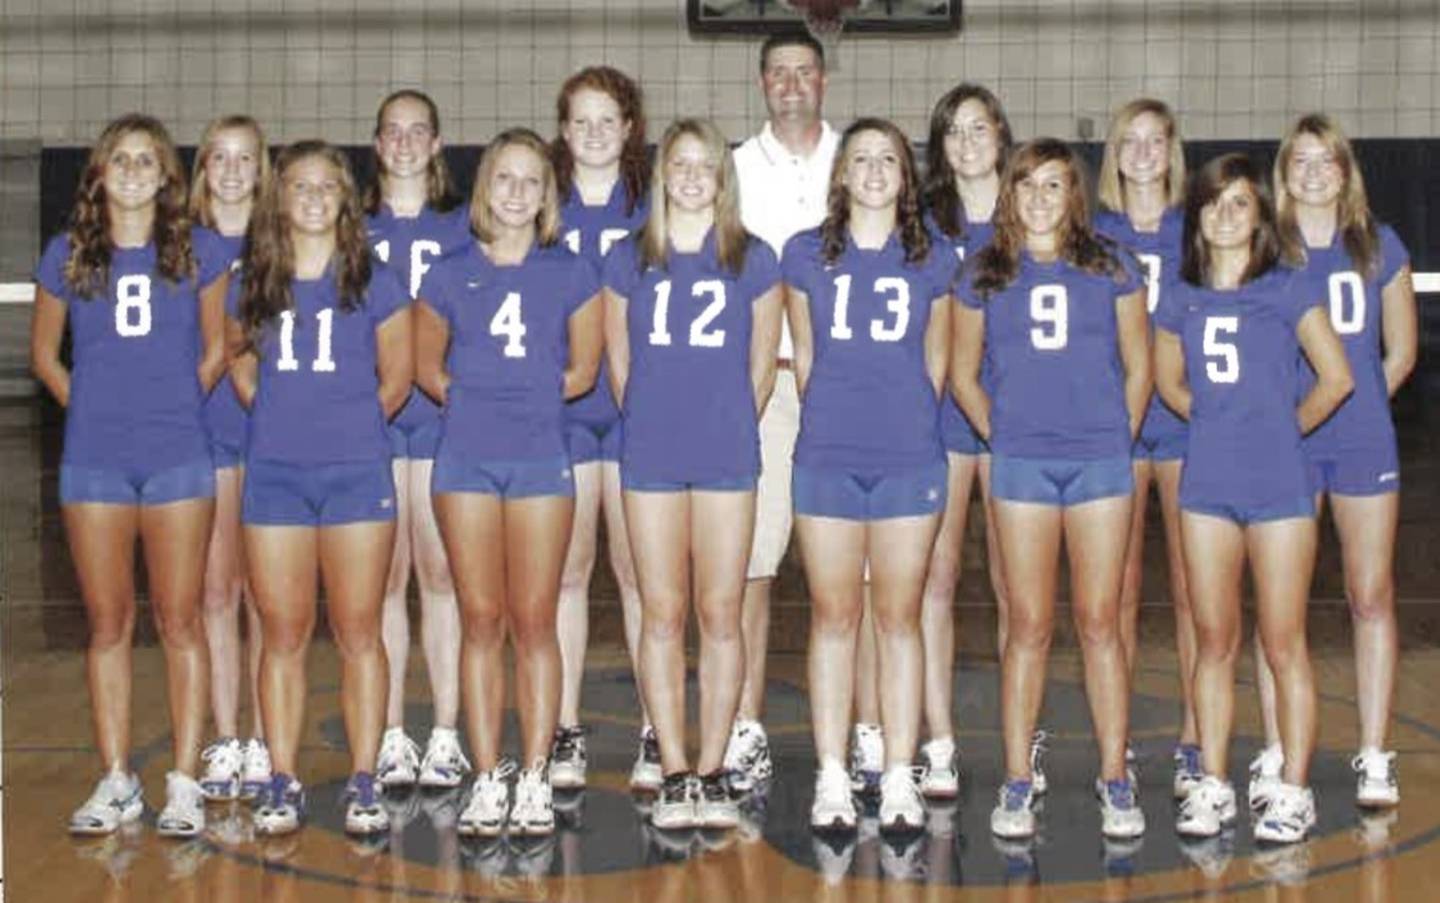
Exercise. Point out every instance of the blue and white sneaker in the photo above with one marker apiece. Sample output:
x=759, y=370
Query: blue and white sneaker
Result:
x=1189, y=771
x=116, y=800
x=364, y=813
x=280, y=806
x=1013, y=817
x=444, y=764
x=1288, y=816
x=399, y=762
x=223, y=760
x=867, y=758
x=255, y=772
x=184, y=812
x=1120, y=815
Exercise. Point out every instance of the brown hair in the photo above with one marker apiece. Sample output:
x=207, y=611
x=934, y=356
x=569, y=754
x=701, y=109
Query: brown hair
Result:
x=87, y=270
x=199, y=188
x=1110, y=187
x=834, y=235
x=1207, y=185
x=269, y=265
x=482, y=221
x=731, y=239
x=997, y=265
x=439, y=190
x=939, y=192
x=634, y=162
x=1357, y=227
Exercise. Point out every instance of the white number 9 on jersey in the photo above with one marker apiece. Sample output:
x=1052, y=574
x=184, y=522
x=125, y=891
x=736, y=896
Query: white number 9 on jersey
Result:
x=132, y=306
x=1050, y=309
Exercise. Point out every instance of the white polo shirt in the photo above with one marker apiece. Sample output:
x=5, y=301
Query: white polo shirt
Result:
x=782, y=193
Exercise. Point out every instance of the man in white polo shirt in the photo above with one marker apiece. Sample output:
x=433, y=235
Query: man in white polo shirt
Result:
x=784, y=175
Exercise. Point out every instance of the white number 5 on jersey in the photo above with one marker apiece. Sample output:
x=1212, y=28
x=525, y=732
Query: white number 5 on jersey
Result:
x=1222, y=359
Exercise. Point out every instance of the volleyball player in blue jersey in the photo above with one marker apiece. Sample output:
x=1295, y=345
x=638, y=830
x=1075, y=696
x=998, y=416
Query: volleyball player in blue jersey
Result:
x=869, y=307
x=142, y=300
x=324, y=360
x=693, y=311
x=507, y=330
x=602, y=169
x=1141, y=189
x=1327, y=230
x=1230, y=332
x=413, y=220
x=1057, y=314
x=232, y=170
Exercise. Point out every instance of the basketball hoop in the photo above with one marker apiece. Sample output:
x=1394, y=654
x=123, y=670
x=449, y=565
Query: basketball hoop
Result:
x=825, y=20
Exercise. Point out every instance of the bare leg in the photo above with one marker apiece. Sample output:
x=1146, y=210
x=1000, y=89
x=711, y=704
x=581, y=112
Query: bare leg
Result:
x=867, y=662
x=622, y=563
x=720, y=531
x=352, y=564
x=395, y=624
x=1131, y=582
x=224, y=581
x=660, y=524
x=1366, y=525
x=573, y=615
x=937, y=612
x=255, y=645
x=439, y=612
x=1282, y=558
x=755, y=630
x=537, y=530
x=834, y=554
x=994, y=561
x=1167, y=479
x=1215, y=602
x=282, y=565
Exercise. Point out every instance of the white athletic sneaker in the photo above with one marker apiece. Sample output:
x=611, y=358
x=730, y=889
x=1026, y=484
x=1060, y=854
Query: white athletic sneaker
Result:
x=281, y=806
x=1265, y=771
x=116, y=800
x=1377, y=784
x=1120, y=815
x=1207, y=809
x=715, y=805
x=674, y=808
x=184, y=812
x=833, y=809
x=488, y=804
x=364, y=813
x=867, y=757
x=939, y=769
x=1288, y=816
x=399, y=762
x=444, y=764
x=901, y=808
x=1013, y=817
x=1039, y=746
x=646, y=775
x=1189, y=771
x=533, y=814
x=255, y=772
x=568, y=759
x=747, y=755
x=224, y=759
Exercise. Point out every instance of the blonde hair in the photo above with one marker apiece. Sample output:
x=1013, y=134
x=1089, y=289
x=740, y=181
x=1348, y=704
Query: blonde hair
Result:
x=1353, y=220
x=482, y=221
x=1110, y=187
x=731, y=238
x=199, y=187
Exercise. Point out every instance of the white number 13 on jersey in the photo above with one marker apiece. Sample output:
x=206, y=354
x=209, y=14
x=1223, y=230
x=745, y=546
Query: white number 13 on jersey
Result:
x=897, y=302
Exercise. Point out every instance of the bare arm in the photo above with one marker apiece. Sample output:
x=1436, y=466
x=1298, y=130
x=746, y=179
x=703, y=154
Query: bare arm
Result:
x=395, y=360
x=47, y=331
x=212, y=332
x=937, y=342
x=967, y=352
x=432, y=341
x=587, y=343
x=765, y=343
x=797, y=309
x=244, y=363
x=1400, y=329
x=1332, y=370
x=1170, y=373
x=1132, y=326
x=617, y=343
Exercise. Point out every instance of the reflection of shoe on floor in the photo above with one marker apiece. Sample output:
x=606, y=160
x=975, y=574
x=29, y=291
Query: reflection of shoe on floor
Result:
x=533, y=857
x=940, y=817
x=184, y=859
x=367, y=846
x=487, y=858
x=569, y=809
x=1288, y=865
x=116, y=851
x=668, y=845
x=1210, y=854
x=833, y=856
x=1019, y=857
x=1120, y=855
x=229, y=826
x=1373, y=829
x=902, y=858
x=753, y=810
x=442, y=808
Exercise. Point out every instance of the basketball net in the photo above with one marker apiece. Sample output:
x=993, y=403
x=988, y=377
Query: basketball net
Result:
x=825, y=20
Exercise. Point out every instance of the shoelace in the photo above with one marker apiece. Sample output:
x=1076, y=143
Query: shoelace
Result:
x=1121, y=794
x=1017, y=795
x=274, y=795
x=362, y=790
x=568, y=741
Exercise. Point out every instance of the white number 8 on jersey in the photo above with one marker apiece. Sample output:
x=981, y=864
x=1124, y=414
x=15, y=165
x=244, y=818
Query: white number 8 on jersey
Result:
x=132, y=306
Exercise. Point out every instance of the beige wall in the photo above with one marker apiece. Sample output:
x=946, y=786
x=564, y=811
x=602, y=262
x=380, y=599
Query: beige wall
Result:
x=1234, y=68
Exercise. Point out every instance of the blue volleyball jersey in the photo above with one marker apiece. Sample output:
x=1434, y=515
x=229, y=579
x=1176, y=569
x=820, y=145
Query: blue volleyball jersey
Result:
x=411, y=245
x=317, y=395
x=135, y=395
x=1240, y=350
x=869, y=405
x=224, y=417
x=1056, y=381
x=591, y=232
x=959, y=435
x=1159, y=254
x=1363, y=420
x=689, y=404
x=509, y=347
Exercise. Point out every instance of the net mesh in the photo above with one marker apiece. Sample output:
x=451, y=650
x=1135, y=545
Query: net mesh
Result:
x=825, y=19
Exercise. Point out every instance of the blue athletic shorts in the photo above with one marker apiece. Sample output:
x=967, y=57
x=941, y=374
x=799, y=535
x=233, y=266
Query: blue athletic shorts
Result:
x=317, y=495
x=1244, y=515
x=633, y=482
x=873, y=495
x=136, y=485
x=1165, y=447
x=1060, y=481
x=226, y=455
x=416, y=441
x=507, y=479
x=590, y=441
x=1359, y=472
